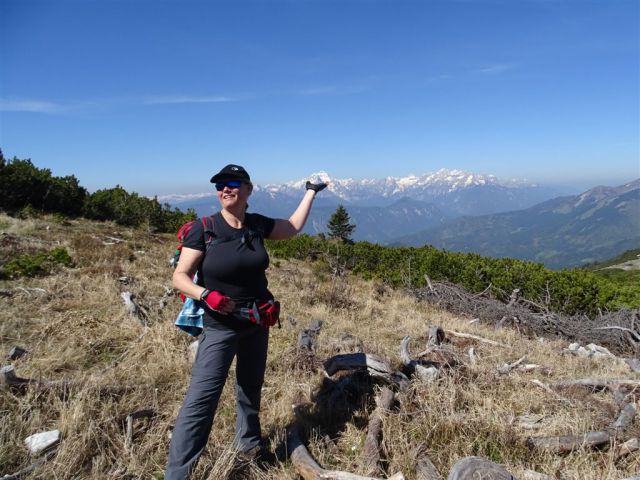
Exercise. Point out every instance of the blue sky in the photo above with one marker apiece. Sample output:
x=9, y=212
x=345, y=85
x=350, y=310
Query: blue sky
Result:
x=157, y=95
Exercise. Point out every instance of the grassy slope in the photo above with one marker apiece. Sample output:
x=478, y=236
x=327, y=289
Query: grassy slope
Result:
x=79, y=330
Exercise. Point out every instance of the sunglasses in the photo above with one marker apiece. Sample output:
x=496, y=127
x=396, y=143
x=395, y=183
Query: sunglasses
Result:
x=229, y=183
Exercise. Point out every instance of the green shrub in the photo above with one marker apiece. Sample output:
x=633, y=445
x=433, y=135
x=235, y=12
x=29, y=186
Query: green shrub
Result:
x=37, y=264
x=566, y=291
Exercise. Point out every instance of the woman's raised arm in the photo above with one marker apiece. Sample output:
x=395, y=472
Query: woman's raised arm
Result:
x=285, y=229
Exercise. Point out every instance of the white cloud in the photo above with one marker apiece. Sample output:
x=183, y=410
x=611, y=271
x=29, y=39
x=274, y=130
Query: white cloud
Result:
x=173, y=99
x=45, y=106
x=494, y=69
x=29, y=105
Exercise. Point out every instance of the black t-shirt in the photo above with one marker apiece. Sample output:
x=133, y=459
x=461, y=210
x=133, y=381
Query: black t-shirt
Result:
x=235, y=268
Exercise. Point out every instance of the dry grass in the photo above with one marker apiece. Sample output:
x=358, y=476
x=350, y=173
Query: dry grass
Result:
x=78, y=330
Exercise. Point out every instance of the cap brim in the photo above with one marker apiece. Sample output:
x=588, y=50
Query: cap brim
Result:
x=225, y=176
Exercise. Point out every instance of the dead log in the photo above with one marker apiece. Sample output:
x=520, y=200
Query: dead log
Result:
x=568, y=443
x=128, y=441
x=376, y=367
x=309, y=469
x=371, y=450
x=473, y=468
x=475, y=337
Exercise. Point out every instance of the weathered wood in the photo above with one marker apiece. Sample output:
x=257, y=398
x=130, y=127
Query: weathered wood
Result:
x=635, y=335
x=16, y=352
x=597, y=384
x=429, y=284
x=133, y=308
x=128, y=442
x=628, y=447
x=633, y=363
x=435, y=336
x=425, y=373
x=475, y=337
x=473, y=468
x=371, y=450
x=19, y=475
x=514, y=297
x=625, y=419
x=309, y=469
x=9, y=379
x=376, y=367
x=473, y=358
x=307, y=337
x=426, y=470
x=507, y=367
x=568, y=443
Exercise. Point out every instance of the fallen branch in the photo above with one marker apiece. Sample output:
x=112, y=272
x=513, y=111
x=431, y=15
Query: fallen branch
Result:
x=597, y=384
x=371, y=450
x=128, y=442
x=309, y=469
x=475, y=337
x=635, y=335
x=507, y=367
x=31, y=468
x=568, y=443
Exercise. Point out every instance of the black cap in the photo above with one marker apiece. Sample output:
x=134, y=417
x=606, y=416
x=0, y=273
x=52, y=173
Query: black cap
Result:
x=231, y=172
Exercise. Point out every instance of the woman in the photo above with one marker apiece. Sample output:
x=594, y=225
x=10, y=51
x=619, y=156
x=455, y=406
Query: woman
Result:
x=233, y=271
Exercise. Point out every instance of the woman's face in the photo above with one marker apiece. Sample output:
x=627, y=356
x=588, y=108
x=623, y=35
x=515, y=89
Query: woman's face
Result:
x=232, y=198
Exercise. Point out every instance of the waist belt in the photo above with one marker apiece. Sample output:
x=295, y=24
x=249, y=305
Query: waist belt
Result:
x=265, y=313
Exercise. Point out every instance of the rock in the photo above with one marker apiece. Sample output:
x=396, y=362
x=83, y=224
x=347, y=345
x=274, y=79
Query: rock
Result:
x=40, y=442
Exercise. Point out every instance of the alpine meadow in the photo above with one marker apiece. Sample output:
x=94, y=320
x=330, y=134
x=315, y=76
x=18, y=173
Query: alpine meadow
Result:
x=389, y=362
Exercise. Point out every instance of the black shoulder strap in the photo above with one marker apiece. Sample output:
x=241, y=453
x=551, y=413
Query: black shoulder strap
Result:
x=208, y=225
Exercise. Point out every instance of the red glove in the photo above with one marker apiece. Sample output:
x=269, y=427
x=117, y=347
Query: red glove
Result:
x=215, y=300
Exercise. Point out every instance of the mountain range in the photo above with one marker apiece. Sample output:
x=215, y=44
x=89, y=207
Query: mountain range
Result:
x=463, y=211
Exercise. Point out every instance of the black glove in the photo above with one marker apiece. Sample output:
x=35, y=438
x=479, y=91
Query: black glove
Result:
x=316, y=187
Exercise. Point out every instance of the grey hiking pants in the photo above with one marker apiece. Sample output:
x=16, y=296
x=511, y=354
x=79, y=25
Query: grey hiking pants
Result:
x=218, y=345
